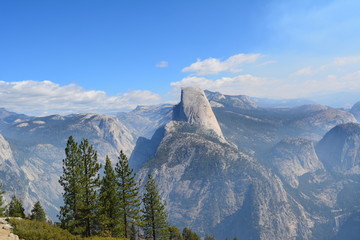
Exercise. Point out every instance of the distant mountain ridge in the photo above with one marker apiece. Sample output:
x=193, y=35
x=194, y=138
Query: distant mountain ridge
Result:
x=226, y=165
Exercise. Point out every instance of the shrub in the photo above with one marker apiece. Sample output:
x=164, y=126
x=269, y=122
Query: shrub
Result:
x=35, y=230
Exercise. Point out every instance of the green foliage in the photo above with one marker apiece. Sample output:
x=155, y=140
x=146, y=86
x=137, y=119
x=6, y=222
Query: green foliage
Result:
x=209, y=237
x=70, y=181
x=133, y=232
x=104, y=238
x=128, y=192
x=174, y=233
x=15, y=208
x=190, y=235
x=80, y=180
x=155, y=223
x=35, y=230
x=38, y=213
x=90, y=182
x=27, y=229
x=2, y=209
x=109, y=212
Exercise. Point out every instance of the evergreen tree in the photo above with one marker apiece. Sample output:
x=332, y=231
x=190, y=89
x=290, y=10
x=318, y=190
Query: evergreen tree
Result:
x=38, y=213
x=90, y=182
x=2, y=209
x=190, y=235
x=128, y=193
x=133, y=232
x=73, y=191
x=80, y=180
x=174, y=233
x=155, y=223
x=16, y=208
x=209, y=237
x=109, y=212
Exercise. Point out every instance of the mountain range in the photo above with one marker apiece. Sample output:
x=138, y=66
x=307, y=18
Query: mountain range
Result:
x=226, y=165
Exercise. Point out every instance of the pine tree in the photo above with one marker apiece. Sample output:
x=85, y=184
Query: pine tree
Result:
x=16, y=208
x=128, y=194
x=209, y=237
x=70, y=181
x=80, y=181
x=133, y=232
x=190, y=235
x=38, y=213
x=109, y=212
x=2, y=209
x=90, y=182
x=174, y=233
x=155, y=223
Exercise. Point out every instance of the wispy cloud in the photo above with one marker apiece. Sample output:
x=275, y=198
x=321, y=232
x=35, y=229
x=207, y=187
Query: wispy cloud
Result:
x=342, y=61
x=304, y=71
x=162, y=64
x=241, y=84
x=329, y=78
x=211, y=66
x=46, y=97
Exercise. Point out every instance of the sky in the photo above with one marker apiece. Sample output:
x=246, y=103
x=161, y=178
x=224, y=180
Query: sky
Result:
x=65, y=56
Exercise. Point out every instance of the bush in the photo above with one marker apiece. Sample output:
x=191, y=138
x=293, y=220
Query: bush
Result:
x=104, y=238
x=35, y=230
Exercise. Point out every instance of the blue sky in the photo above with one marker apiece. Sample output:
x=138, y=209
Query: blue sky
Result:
x=70, y=56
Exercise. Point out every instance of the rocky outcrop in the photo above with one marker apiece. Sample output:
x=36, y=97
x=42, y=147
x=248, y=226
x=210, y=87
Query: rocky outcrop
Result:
x=144, y=120
x=217, y=99
x=195, y=109
x=215, y=189
x=355, y=110
x=31, y=159
x=5, y=230
x=294, y=157
x=319, y=118
x=339, y=149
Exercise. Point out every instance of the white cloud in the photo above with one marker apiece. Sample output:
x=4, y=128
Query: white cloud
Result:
x=241, y=84
x=267, y=62
x=212, y=66
x=342, y=61
x=46, y=97
x=304, y=71
x=162, y=64
x=274, y=87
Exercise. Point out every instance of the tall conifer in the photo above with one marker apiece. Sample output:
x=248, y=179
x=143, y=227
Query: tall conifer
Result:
x=72, y=196
x=2, y=209
x=15, y=208
x=155, y=222
x=109, y=212
x=128, y=194
x=38, y=213
x=90, y=182
x=80, y=180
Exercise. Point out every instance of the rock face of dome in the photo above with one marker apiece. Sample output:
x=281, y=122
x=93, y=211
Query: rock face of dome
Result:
x=195, y=109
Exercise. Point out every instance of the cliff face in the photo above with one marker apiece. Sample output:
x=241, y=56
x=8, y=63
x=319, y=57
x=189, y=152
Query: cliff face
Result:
x=355, y=110
x=212, y=187
x=31, y=157
x=294, y=157
x=340, y=149
x=195, y=109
